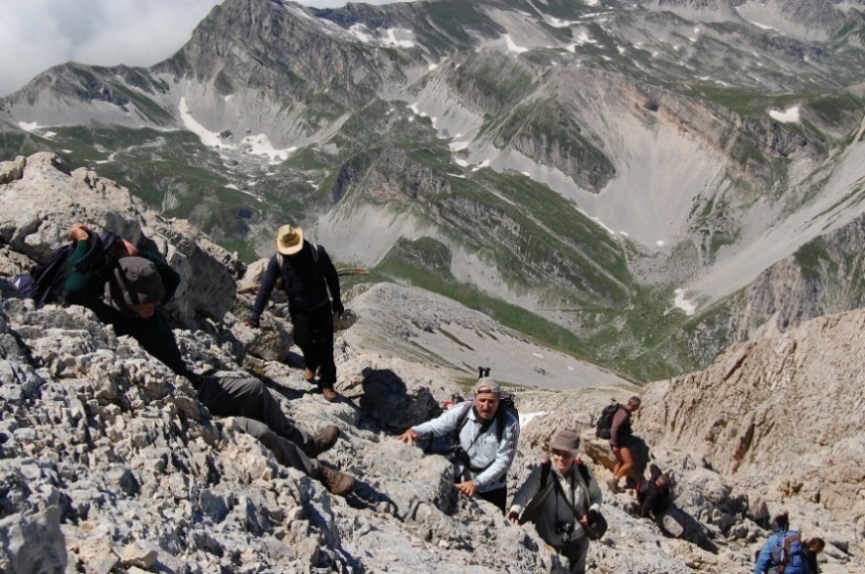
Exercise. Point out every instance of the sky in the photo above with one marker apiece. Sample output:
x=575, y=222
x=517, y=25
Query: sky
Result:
x=38, y=34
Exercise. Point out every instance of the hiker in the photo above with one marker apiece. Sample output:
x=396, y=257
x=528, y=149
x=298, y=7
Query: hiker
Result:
x=561, y=498
x=783, y=550
x=127, y=294
x=486, y=442
x=621, y=441
x=655, y=494
x=307, y=275
x=813, y=547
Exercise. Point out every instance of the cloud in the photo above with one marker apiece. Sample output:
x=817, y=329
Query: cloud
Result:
x=38, y=34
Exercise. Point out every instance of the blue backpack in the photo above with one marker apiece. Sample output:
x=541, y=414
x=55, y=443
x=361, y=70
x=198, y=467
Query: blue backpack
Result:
x=787, y=557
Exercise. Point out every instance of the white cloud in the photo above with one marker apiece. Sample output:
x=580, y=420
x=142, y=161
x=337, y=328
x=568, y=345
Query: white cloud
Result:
x=38, y=34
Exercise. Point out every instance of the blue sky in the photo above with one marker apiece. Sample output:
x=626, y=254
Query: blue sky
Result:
x=38, y=34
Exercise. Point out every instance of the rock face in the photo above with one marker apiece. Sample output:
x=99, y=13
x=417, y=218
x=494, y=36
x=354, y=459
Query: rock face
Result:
x=110, y=463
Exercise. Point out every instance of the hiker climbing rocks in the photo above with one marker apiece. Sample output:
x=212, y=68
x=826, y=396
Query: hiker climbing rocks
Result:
x=621, y=440
x=783, y=551
x=562, y=498
x=307, y=275
x=128, y=293
x=654, y=494
x=813, y=547
x=485, y=445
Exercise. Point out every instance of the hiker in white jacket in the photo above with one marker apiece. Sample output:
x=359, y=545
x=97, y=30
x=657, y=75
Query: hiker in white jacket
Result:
x=487, y=442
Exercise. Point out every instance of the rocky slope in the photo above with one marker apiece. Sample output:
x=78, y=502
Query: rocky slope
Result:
x=111, y=465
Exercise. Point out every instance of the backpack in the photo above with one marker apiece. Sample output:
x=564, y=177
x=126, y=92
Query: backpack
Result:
x=787, y=555
x=603, y=428
x=506, y=405
x=45, y=282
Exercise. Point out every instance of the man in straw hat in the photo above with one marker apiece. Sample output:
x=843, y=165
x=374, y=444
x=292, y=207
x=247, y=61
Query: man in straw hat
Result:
x=127, y=291
x=486, y=437
x=560, y=497
x=307, y=274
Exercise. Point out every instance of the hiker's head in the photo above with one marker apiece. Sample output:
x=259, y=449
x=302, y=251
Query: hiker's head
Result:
x=634, y=404
x=487, y=394
x=663, y=481
x=289, y=240
x=781, y=521
x=815, y=545
x=565, y=447
x=137, y=285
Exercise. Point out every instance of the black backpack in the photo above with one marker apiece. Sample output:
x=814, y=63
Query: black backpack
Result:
x=604, y=426
x=45, y=282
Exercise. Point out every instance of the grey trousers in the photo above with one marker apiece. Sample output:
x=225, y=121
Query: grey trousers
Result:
x=260, y=415
x=575, y=551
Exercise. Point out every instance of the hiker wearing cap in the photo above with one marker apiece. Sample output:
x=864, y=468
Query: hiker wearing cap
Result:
x=622, y=443
x=562, y=498
x=486, y=442
x=307, y=275
x=126, y=293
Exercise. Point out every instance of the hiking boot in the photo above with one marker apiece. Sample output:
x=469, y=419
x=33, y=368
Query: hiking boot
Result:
x=330, y=395
x=614, y=485
x=308, y=375
x=322, y=440
x=336, y=482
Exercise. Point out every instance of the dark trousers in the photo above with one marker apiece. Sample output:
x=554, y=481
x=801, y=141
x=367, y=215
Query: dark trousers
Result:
x=499, y=497
x=313, y=333
x=575, y=551
x=260, y=415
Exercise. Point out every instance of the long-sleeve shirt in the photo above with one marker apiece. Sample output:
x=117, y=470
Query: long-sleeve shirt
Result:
x=154, y=334
x=547, y=506
x=480, y=441
x=305, y=280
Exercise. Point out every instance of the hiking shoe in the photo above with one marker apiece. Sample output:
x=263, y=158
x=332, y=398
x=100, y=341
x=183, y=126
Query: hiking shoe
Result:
x=322, y=440
x=614, y=485
x=308, y=375
x=336, y=482
x=330, y=395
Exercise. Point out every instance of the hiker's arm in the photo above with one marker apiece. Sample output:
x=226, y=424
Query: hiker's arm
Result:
x=271, y=274
x=765, y=557
x=328, y=271
x=596, y=496
x=170, y=277
x=527, y=491
x=443, y=424
x=81, y=287
x=504, y=455
x=649, y=501
x=618, y=420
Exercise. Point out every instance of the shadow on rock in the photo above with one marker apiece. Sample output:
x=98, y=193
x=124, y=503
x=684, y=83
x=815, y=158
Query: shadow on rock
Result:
x=386, y=401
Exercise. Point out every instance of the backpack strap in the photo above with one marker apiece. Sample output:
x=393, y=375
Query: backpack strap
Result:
x=546, y=467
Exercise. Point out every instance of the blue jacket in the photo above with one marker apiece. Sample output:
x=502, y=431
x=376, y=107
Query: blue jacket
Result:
x=796, y=564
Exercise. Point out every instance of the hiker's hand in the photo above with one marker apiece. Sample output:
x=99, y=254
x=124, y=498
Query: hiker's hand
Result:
x=252, y=324
x=79, y=232
x=338, y=307
x=514, y=518
x=584, y=520
x=123, y=248
x=467, y=488
x=409, y=437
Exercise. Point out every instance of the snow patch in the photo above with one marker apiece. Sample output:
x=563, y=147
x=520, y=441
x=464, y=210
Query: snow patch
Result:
x=556, y=23
x=512, y=47
x=790, y=115
x=529, y=417
x=358, y=32
x=660, y=243
x=457, y=146
x=392, y=40
x=682, y=303
x=28, y=126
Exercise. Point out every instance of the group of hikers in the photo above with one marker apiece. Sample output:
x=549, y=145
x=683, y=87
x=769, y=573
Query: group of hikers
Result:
x=560, y=495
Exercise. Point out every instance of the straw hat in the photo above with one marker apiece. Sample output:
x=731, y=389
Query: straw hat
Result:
x=289, y=240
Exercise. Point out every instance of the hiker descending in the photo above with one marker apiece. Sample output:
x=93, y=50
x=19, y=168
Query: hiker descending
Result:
x=783, y=552
x=562, y=498
x=486, y=434
x=621, y=442
x=654, y=494
x=127, y=294
x=307, y=275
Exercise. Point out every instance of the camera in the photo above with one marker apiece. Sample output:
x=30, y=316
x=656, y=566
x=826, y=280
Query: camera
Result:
x=458, y=454
x=565, y=529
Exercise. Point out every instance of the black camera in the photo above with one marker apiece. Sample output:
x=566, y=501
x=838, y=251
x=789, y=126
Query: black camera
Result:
x=565, y=529
x=458, y=454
